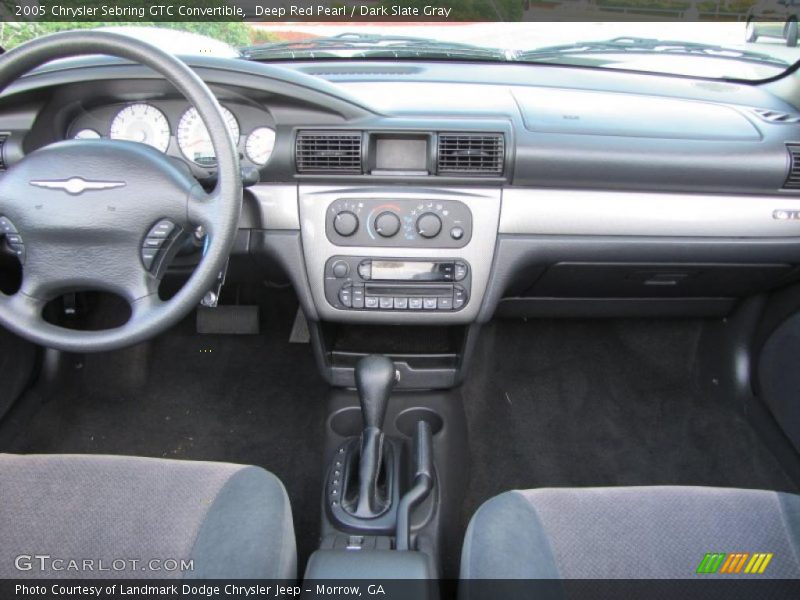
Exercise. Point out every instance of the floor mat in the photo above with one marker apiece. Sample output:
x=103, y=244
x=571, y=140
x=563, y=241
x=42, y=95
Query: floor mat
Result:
x=602, y=403
x=252, y=399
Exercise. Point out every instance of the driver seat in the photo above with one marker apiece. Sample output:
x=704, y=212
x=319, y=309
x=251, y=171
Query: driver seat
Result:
x=231, y=521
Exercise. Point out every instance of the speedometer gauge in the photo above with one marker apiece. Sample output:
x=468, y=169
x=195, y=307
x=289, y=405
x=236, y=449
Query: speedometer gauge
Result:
x=193, y=138
x=143, y=123
x=260, y=144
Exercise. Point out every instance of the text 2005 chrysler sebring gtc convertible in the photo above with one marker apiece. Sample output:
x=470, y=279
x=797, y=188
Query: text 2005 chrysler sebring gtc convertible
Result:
x=483, y=307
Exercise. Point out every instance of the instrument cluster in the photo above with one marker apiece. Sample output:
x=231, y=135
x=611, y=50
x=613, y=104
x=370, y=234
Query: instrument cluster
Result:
x=174, y=128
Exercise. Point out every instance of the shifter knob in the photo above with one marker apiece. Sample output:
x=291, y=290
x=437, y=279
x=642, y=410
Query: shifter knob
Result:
x=375, y=378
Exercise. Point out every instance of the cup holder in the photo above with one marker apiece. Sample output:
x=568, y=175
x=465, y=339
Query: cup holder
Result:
x=347, y=422
x=406, y=421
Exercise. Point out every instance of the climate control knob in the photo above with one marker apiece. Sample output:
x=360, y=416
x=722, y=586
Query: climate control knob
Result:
x=387, y=224
x=345, y=223
x=429, y=225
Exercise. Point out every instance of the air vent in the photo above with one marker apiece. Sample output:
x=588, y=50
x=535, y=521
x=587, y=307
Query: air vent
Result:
x=3, y=138
x=776, y=116
x=470, y=154
x=328, y=152
x=793, y=178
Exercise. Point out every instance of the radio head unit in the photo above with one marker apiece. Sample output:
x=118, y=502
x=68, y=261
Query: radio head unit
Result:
x=359, y=283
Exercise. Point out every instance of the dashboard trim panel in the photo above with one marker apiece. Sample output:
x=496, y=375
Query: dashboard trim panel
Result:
x=540, y=211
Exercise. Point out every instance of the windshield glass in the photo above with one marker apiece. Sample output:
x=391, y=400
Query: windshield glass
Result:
x=745, y=50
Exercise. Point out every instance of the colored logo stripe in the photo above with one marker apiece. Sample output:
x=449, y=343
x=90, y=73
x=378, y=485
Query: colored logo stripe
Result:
x=720, y=562
x=711, y=562
x=758, y=564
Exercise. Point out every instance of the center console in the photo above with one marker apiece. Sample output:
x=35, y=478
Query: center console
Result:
x=398, y=255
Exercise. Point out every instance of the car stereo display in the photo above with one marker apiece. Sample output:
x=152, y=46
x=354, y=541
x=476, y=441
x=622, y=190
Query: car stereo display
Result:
x=398, y=270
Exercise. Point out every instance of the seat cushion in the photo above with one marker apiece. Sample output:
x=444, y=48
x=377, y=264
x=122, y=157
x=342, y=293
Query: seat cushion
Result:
x=629, y=533
x=230, y=521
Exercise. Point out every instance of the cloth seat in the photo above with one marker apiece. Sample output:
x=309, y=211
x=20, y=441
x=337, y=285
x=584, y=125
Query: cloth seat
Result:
x=92, y=516
x=631, y=533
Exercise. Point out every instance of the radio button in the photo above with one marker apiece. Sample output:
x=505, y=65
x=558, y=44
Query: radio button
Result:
x=461, y=271
x=415, y=303
x=445, y=304
x=401, y=303
x=429, y=303
x=358, y=296
x=345, y=296
x=371, y=302
x=340, y=269
x=447, y=271
x=459, y=297
x=386, y=303
x=365, y=270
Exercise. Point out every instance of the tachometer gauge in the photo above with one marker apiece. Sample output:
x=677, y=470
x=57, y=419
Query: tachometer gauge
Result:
x=143, y=123
x=193, y=138
x=260, y=144
x=87, y=134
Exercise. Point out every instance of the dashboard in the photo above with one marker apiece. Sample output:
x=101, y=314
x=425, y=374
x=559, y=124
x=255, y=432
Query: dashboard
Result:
x=442, y=194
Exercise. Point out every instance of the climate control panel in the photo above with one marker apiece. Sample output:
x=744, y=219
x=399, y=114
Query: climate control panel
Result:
x=390, y=284
x=399, y=223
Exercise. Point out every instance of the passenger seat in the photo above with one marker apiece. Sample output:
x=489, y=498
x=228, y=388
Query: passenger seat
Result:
x=633, y=533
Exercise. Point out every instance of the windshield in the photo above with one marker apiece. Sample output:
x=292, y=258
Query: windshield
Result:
x=755, y=49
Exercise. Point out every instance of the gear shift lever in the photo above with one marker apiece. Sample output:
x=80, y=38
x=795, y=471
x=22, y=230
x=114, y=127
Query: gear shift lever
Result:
x=375, y=378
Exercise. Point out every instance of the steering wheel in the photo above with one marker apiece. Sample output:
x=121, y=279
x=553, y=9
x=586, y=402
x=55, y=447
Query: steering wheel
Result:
x=94, y=214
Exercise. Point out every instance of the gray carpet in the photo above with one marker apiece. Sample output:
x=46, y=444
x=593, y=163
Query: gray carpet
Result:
x=243, y=399
x=602, y=403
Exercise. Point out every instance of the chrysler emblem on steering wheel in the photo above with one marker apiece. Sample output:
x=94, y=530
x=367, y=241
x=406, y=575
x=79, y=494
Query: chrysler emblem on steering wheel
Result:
x=76, y=185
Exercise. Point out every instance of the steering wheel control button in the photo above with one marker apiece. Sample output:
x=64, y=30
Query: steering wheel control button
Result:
x=429, y=225
x=345, y=223
x=340, y=269
x=148, y=256
x=155, y=241
x=162, y=229
x=387, y=224
x=456, y=233
x=6, y=226
x=13, y=238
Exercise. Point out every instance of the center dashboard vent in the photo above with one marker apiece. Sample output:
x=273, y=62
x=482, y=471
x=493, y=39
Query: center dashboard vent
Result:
x=470, y=154
x=328, y=152
x=793, y=178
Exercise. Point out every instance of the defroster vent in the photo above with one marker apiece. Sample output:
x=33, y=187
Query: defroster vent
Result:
x=328, y=152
